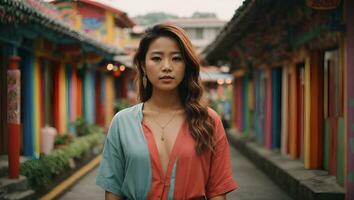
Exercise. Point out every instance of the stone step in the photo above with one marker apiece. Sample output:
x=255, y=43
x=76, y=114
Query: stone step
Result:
x=289, y=174
x=8, y=185
x=4, y=165
x=23, y=195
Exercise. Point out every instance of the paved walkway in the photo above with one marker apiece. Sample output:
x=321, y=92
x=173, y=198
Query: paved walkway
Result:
x=252, y=184
x=85, y=189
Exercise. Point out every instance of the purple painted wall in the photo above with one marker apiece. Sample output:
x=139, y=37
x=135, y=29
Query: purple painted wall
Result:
x=350, y=91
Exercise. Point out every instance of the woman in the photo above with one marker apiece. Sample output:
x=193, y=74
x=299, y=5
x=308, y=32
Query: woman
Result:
x=169, y=146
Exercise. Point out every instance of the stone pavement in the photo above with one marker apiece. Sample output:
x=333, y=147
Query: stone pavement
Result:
x=252, y=184
x=85, y=189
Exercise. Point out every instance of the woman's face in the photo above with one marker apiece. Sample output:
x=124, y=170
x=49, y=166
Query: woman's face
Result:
x=164, y=64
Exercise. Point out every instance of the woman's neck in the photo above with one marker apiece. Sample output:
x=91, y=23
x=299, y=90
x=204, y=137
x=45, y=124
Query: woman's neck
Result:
x=164, y=101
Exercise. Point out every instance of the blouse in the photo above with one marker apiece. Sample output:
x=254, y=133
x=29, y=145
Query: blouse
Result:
x=131, y=168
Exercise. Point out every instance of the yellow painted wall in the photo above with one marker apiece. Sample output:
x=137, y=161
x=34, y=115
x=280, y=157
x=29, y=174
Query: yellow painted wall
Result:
x=109, y=27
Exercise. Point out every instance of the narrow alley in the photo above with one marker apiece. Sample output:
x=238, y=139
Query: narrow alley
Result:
x=277, y=73
x=253, y=184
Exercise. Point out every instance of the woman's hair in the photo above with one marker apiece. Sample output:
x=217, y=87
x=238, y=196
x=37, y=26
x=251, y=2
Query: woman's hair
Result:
x=190, y=89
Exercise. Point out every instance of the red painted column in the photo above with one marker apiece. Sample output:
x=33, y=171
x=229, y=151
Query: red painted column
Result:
x=13, y=115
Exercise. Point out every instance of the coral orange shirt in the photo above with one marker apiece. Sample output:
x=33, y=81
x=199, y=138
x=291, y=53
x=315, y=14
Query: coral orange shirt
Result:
x=130, y=165
x=188, y=175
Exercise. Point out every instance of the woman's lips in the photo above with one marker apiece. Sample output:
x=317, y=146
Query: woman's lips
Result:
x=166, y=77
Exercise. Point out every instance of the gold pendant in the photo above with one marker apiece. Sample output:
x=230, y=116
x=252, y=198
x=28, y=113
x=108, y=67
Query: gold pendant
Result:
x=163, y=134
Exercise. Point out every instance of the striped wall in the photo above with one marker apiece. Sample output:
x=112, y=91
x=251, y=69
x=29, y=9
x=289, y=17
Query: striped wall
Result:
x=31, y=103
x=299, y=110
x=72, y=98
x=267, y=114
x=306, y=109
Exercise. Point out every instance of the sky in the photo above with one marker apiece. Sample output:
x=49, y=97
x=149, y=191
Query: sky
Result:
x=224, y=9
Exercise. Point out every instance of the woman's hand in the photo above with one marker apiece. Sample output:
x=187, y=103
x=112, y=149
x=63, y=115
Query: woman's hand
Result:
x=111, y=196
x=220, y=197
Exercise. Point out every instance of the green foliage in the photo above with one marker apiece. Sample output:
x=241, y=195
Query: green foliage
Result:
x=41, y=172
x=214, y=105
x=63, y=139
x=120, y=104
x=85, y=128
x=204, y=15
x=153, y=18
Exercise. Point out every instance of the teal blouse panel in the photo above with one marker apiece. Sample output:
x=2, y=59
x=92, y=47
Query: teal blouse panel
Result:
x=125, y=168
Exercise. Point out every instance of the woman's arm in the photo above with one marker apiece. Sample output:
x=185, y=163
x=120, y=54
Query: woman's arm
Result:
x=220, y=197
x=111, y=196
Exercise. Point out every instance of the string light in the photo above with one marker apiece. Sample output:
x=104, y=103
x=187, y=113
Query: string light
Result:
x=110, y=67
x=220, y=81
x=115, y=68
x=121, y=68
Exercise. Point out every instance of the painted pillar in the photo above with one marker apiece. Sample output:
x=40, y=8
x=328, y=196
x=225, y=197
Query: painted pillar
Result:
x=268, y=110
x=316, y=110
x=293, y=111
x=13, y=115
x=276, y=107
x=109, y=99
x=349, y=97
x=245, y=106
x=284, y=111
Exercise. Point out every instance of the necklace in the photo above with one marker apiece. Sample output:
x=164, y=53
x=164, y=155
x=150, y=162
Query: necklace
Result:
x=162, y=127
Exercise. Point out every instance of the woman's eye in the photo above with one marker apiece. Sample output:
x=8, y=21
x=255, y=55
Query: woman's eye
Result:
x=177, y=59
x=156, y=58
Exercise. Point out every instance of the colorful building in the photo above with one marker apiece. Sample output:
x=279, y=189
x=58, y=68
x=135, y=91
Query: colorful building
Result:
x=51, y=74
x=201, y=30
x=108, y=25
x=293, y=90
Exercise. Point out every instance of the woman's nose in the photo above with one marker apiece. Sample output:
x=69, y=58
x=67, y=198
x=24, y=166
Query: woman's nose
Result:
x=167, y=65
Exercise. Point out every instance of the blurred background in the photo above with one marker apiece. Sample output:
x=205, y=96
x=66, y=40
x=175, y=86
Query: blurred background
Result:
x=278, y=72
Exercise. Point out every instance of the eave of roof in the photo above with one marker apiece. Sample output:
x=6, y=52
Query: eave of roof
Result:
x=229, y=29
x=120, y=15
x=18, y=12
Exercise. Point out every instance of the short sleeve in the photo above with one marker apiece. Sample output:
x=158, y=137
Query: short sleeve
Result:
x=220, y=179
x=111, y=171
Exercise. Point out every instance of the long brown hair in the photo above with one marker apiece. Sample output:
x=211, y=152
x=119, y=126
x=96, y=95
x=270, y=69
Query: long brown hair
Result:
x=190, y=89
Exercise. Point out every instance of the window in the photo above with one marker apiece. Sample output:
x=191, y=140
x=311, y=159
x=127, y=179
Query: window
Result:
x=199, y=33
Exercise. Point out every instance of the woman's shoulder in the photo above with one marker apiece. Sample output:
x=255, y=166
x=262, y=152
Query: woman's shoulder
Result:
x=213, y=114
x=218, y=126
x=129, y=112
